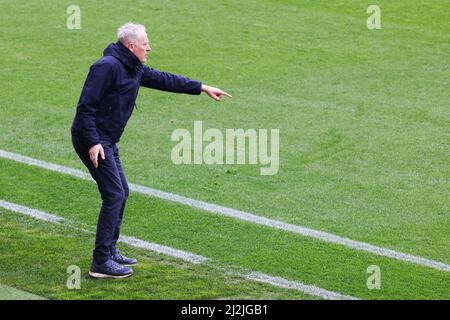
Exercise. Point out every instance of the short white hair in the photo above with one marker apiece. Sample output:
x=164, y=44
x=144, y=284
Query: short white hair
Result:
x=130, y=32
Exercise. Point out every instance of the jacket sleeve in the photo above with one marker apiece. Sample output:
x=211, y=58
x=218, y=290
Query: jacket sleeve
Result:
x=97, y=83
x=165, y=81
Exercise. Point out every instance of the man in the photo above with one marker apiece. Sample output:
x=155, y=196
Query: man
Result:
x=106, y=103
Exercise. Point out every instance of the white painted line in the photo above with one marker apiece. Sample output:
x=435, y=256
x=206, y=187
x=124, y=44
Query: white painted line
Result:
x=183, y=255
x=309, y=289
x=241, y=215
x=45, y=165
x=186, y=256
x=30, y=212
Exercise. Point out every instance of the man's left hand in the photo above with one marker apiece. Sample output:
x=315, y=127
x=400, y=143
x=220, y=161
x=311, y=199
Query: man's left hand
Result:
x=215, y=93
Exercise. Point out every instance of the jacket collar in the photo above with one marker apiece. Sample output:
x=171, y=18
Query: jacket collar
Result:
x=125, y=56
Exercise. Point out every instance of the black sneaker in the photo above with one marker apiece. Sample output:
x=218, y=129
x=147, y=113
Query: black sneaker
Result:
x=110, y=269
x=117, y=257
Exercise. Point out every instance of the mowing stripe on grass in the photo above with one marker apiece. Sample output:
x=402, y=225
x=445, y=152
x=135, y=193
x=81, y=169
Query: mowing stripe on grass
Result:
x=10, y=293
x=241, y=215
x=186, y=256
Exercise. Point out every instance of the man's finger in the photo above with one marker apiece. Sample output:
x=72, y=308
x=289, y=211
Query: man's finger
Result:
x=102, y=153
x=94, y=159
x=226, y=94
x=212, y=95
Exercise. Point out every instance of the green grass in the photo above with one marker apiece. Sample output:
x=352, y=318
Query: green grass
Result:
x=10, y=293
x=46, y=251
x=228, y=241
x=363, y=118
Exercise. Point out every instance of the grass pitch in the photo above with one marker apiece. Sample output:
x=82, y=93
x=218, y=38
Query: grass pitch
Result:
x=364, y=142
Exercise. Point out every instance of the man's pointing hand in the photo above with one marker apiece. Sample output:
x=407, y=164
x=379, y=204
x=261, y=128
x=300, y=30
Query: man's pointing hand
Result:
x=214, y=93
x=94, y=152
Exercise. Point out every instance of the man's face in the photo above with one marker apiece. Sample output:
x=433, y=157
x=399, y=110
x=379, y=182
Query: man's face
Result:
x=140, y=48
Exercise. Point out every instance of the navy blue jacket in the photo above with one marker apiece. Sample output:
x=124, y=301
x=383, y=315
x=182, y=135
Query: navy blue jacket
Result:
x=110, y=92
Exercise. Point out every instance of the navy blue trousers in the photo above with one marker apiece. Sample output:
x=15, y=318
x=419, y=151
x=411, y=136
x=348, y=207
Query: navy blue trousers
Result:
x=113, y=188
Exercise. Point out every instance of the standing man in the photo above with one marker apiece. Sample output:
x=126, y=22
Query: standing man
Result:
x=105, y=105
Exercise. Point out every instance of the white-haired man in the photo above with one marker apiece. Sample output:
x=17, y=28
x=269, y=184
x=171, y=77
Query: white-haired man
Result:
x=106, y=103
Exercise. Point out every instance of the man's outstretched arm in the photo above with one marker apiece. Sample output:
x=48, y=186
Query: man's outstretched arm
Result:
x=166, y=81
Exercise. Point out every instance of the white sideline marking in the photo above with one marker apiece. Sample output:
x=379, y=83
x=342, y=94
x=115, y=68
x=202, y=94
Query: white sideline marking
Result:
x=186, y=256
x=288, y=284
x=30, y=212
x=241, y=215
